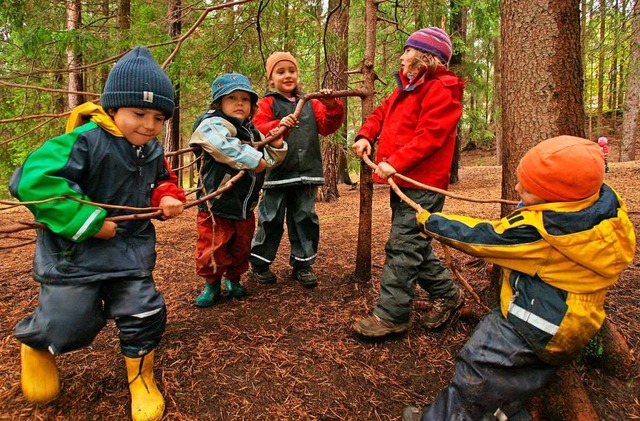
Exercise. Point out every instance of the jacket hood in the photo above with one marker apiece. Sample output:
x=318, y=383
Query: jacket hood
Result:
x=89, y=111
x=577, y=229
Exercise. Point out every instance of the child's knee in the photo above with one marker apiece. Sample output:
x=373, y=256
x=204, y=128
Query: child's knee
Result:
x=58, y=336
x=139, y=335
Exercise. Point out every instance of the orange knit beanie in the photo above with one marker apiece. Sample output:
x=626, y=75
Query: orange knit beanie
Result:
x=562, y=169
x=276, y=58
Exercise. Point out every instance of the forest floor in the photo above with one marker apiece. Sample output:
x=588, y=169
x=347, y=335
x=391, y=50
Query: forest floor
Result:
x=287, y=353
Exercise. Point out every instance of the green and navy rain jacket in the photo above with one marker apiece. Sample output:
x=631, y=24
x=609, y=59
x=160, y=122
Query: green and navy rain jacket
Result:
x=93, y=163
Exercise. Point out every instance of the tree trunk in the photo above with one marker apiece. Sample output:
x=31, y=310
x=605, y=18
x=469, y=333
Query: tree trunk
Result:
x=172, y=133
x=621, y=68
x=124, y=14
x=550, y=103
x=599, y=120
x=565, y=399
x=613, y=70
x=336, y=79
x=632, y=101
x=74, y=57
x=363, y=256
x=497, y=95
x=457, y=29
x=612, y=353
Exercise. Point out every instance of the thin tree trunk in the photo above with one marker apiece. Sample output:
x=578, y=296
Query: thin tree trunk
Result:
x=613, y=73
x=336, y=79
x=363, y=256
x=457, y=28
x=599, y=120
x=172, y=133
x=621, y=68
x=74, y=57
x=124, y=14
x=566, y=399
x=497, y=95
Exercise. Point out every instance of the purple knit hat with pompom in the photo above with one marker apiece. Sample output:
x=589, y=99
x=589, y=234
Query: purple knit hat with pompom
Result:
x=431, y=40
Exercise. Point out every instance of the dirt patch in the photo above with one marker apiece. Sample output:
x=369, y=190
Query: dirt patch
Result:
x=284, y=352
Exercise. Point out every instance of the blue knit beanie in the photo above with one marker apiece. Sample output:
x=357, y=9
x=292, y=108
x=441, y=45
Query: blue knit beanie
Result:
x=229, y=82
x=137, y=80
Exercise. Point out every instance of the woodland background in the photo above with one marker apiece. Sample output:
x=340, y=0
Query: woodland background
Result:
x=534, y=70
x=57, y=54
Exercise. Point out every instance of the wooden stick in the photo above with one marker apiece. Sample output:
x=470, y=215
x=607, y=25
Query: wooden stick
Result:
x=448, y=260
x=22, y=226
x=282, y=130
x=368, y=161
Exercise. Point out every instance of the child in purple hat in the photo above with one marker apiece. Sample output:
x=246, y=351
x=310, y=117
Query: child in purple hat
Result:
x=414, y=131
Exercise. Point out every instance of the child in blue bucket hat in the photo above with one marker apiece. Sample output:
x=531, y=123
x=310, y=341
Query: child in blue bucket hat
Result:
x=225, y=138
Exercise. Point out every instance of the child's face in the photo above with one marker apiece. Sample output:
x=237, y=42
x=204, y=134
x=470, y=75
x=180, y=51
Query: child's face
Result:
x=527, y=197
x=138, y=125
x=407, y=60
x=236, y=104
x=284, y=77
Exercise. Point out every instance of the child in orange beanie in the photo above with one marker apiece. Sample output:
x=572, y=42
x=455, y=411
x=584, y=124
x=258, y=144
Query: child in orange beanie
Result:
x=290, y=190
x=565, y=245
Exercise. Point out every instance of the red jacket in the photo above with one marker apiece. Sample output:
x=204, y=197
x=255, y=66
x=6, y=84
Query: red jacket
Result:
x=415, y=128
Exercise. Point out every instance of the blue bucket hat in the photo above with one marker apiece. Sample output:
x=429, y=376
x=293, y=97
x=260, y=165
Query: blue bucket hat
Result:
x=136, y=80
x=230, y=82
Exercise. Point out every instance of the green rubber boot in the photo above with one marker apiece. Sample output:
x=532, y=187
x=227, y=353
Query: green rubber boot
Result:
x=234, y=288
x=209, y=295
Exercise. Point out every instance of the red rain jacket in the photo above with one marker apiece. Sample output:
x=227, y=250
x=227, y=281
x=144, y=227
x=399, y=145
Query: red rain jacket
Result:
x=415, y=128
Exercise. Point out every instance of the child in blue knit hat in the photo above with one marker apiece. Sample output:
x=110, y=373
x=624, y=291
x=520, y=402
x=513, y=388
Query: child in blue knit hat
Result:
x=225, y=139
x=90, y=267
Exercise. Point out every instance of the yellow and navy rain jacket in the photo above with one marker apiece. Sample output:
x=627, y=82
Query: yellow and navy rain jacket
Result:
x=558, y=261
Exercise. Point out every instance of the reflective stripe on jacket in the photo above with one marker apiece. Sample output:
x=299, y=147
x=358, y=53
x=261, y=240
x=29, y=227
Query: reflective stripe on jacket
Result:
x=303, y=163
x=94, y=165
x=559, y=259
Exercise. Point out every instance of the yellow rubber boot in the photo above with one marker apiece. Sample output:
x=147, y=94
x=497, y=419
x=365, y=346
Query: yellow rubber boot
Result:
x=147, y=403
x=39, y=375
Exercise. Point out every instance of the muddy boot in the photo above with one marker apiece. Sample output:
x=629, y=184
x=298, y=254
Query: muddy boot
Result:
x=263, y=275
x=39, y=377
x=209, y=295
x=234, y=288
x=375, y=327
x=443, y=309
x=147, y=403
x=306, y=276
